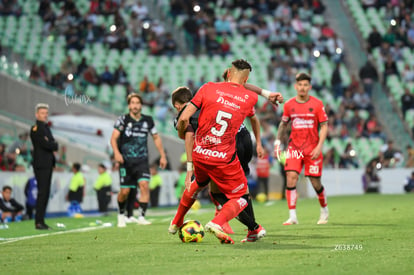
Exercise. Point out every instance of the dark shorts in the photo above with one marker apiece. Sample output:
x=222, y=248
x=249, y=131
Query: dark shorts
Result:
x=131, y=175
x=244, y=148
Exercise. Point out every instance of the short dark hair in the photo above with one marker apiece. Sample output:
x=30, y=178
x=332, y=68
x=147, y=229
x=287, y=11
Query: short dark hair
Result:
x=241, y=64
x=77, y=166
x=7, y=187
x=225, y=74
x=181, y=95
x=102, y=166
x=303, y=76
x=132, y=95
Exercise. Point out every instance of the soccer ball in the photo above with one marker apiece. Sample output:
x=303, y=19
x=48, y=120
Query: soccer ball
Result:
x=191, y=232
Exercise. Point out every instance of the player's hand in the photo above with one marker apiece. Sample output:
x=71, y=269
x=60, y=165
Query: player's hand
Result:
x=259, y=150
x=118, y=158
x=316, y=152
x=276, y=98
x=163, y=162
x=187, y=181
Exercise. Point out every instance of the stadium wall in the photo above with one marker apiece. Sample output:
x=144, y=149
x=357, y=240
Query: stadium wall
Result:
x=21, y=97
x=336, y=182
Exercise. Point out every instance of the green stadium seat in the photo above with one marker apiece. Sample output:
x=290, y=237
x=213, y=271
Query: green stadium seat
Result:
x=105, y=94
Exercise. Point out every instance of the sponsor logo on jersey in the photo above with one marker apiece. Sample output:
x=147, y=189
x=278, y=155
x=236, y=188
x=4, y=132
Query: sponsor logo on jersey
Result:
x=227, y=103
x=145, y=125
x=235, y=97
x=300, y=123
x=210, y=153
x=210, y=140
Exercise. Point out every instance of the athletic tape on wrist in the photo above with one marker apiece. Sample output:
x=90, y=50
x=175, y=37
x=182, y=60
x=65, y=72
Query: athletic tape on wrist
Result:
x=189, y=166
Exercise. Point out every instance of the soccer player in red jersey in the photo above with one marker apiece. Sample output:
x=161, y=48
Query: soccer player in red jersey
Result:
x=306, y=114
x=223, y=108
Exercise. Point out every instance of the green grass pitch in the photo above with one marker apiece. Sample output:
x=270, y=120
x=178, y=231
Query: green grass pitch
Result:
x=371, y=234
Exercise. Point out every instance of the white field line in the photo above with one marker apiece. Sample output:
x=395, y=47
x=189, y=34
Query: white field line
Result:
x=12, y=240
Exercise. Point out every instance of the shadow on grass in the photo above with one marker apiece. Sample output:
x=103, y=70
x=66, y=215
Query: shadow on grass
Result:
x=361, y=224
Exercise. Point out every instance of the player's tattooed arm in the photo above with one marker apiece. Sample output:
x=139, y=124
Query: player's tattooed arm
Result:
x=323, y=132
x=281, y=132
x=256, y=130
x=271, y=96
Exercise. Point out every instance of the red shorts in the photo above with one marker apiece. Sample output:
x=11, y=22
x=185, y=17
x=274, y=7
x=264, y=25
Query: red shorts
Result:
x=313, y=167
x=230, y=178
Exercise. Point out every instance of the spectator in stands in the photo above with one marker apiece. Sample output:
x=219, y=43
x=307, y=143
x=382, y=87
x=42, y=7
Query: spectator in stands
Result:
x=348, y=157
x=3, y=157
x=154, y=45
x=102, y=187
x=120, y=76
x=213, y=47
x=58, y=80
x=336, y=81
x=390, y=68
x=408, y=74
x=191, y=34
x=362, y=100
x=169, y=46
x=392, y=156
x=374, y=39
x=368, y=75
x=141, y=10
x=348, y=101
x=82, y=66
x=107, y=77
x=407, y=101
x=10, y=209
x=372, y=128
x=410, y=35
x=20, y=146
x=225, y=47
x=68, y=66
x=90, y=75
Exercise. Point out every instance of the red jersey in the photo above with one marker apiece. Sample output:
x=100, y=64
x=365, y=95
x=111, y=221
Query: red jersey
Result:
x=224, y=106
x=305, y=118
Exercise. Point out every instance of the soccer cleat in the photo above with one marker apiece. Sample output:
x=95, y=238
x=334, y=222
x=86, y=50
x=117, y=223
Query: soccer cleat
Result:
x=255, y=235
x=173, y=229
x=143, y=221
x=227, y=228
x=131, y=219
x=121, y=220
x=291, y=221
x=218, y=232
x=323, y=218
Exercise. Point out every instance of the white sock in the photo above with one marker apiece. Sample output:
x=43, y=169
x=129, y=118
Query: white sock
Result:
x=292, y=214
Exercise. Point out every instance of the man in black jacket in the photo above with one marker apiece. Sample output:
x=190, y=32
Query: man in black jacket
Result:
x=43, y=161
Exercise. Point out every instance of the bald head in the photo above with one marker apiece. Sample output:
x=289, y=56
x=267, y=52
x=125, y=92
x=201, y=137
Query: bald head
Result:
x=239, y=71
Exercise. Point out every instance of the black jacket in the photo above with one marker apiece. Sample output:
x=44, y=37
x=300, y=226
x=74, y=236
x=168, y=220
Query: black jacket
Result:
x=10, y=206
x=43, y=146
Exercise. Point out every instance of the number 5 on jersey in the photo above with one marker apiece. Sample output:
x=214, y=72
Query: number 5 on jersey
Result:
x=220, y=120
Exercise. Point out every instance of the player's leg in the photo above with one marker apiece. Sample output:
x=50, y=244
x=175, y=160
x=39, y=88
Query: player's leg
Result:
x=122, y=200
x=143, y=175
x=244, y=148
x=219, y=199
x=313, y=170
x=232, y=183
x=130, y=206
x=126, y=183
x=186, y=201
x=291, y=196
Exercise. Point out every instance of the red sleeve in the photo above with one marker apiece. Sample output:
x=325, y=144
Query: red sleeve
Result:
x=286, y=114
x=198, y=98
x=322, y=117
